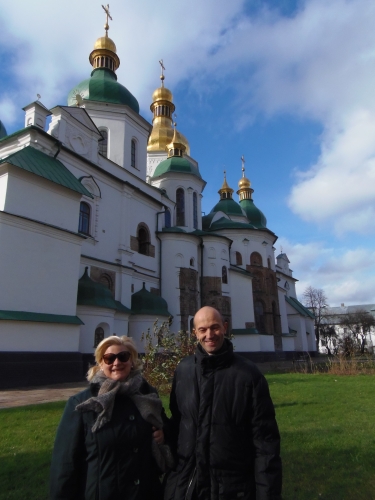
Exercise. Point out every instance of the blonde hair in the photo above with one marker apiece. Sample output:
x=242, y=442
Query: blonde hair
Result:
x=114, y=340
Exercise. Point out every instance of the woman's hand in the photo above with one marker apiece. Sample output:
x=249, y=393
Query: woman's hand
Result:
x=158, y=435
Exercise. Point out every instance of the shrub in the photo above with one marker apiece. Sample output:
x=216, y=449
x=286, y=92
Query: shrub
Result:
x=163, y=351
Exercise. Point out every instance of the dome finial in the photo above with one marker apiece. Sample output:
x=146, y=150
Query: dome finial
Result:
x=244, y=184
x=162, y=77
x=106, y=26
x=225, y=192
x=177, y=146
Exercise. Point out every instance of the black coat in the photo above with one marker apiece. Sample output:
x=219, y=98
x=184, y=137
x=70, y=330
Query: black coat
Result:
x=114, y=462
x=227, y=440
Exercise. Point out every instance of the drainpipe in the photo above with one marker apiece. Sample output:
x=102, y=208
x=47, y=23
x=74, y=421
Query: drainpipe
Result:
x=157, y=230
x=58, y=149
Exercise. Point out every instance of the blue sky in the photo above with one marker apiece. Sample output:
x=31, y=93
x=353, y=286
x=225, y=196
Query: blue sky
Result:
x=288, y=84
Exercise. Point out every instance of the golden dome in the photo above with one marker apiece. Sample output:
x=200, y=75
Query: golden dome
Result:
x=225, y=191
x=104, y=42
x=162, y=94
x=177, y=146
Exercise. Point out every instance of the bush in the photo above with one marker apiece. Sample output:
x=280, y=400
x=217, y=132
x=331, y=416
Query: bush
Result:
x=163, y=351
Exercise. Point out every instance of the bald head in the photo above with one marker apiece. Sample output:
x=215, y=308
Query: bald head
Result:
x=209, y=329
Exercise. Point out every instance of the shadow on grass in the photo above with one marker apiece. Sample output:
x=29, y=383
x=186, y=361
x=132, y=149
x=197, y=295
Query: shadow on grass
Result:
x=327, y=474
x=25, y=476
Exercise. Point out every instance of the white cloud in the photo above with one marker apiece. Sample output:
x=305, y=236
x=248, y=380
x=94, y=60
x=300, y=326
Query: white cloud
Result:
x=346, y=275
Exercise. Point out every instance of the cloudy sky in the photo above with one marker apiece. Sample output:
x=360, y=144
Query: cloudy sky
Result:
x=290, y=84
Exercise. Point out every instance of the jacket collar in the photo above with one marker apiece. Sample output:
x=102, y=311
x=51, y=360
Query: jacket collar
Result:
x=223, y=357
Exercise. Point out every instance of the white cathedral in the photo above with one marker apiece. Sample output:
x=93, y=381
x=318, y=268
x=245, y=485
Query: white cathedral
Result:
x=102, y=233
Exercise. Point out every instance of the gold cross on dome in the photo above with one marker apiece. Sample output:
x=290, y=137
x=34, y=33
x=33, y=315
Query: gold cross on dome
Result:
x=106, y=10
x=162, y=72
x=243, y=162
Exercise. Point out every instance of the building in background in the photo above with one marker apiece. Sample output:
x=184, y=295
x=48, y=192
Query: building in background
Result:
x=102, y=232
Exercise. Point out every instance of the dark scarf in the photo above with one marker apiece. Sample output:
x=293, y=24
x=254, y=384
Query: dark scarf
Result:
x=149, y=406
x=220, y=359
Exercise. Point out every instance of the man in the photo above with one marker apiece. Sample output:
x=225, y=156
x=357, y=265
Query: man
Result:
x=228, y=443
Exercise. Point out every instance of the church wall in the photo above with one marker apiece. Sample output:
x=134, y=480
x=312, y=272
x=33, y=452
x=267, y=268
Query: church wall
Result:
x=180, y=255
x=32, y=196
x=140, y=324
x=242, y=301
x=40, y=266
x=93, y=317
x=288, y=344
x=27, y=336
x=247, y=343
x=283, y=314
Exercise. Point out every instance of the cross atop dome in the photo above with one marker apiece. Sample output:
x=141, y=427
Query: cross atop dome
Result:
x=106, y=26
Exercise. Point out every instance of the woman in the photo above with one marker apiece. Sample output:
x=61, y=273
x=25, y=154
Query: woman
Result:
x=109, y=443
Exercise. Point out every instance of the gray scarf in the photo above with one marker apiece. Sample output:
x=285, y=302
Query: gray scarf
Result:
x=148, y=405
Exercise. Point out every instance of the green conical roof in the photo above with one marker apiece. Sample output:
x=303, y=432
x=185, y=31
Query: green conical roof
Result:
x=176, y=164
x=145, y=302
x=255, y=216
x=104, y=87
x=228, y=206
x=91, y=293
x=3, y=131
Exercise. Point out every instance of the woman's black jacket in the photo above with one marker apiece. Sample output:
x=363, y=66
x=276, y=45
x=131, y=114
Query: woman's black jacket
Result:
x=227, y=440
x=114, y=462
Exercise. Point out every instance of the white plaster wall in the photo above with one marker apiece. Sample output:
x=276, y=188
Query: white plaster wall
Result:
x=27, y=336
x=92, y=318
x=282, y=309
x=121, y=324
x=242, y=300
x=310, y=330
x=32, y=196
x=3, y=188
x=138, y=325
x=247, y=343
x=171, y=182
x=267, y=343
x=40, y=267
x=297, y=323
x=177, y=250
x=212, y=254
x=288, y=344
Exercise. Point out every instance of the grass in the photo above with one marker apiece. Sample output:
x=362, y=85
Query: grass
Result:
x=326, y=424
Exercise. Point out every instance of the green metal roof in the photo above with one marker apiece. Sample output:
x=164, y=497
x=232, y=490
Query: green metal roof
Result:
x=45, y=166
x=176, y=164
x=3, y=131
x=299, y=307
x=39, y=317
x=228, y=206
x=104, y=87
x=145, y=302
x=91, y=293
x=225, y=223
x=255, y=216
x=244, y=331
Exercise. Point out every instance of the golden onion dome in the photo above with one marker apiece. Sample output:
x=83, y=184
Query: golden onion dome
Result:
x=162, y=94
x=244, y=182
x=104, y=42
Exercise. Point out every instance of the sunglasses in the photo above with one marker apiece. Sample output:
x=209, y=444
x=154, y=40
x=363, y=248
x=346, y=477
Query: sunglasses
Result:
x=122, y=356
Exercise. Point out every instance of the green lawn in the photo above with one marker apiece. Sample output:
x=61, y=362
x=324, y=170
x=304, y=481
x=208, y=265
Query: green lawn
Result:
x=326, y=423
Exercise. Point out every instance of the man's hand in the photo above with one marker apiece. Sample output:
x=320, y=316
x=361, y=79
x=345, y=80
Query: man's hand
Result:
x=158, y=435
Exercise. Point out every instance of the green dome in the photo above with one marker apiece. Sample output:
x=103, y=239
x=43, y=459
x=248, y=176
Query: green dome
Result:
x=145, y=302
x=91, y=293
x=176, y=164
x=3, y=131
x=228, y=206
x=104, y=87
x=255, y=216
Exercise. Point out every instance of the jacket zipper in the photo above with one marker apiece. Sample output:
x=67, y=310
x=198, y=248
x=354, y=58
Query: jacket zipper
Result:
x=190, y=483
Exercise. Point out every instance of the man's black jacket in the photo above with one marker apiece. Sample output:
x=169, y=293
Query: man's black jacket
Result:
x=227, y=440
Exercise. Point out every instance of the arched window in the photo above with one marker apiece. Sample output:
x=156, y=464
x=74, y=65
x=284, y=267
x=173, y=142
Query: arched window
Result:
x=192, y=262
x=259, y=316
x=84, y=218
x=180, y=207
x=269, y=263
x=143, y=236
x=167, y=218
x=238, y=259
x=106, y=280
x=224, y=274
x=103, y=144
x=195, y=210
x=133, y=153
x=256, y=259
x=99, y=336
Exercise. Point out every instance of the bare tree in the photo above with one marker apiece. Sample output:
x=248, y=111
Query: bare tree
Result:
x=359, y=323
x=316, y=300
